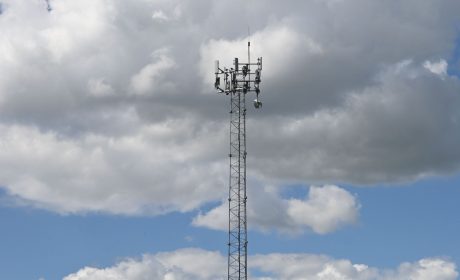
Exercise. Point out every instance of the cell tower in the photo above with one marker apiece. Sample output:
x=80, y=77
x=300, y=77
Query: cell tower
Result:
x=237, y=82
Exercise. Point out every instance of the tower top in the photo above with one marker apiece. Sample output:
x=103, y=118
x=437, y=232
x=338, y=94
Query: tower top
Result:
x=240, y=77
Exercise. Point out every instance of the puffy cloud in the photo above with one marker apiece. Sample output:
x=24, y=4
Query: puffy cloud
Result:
x=130, y=269
x=97, y=173
x=145, y=80
x=425, y=269
x=304, y=266
x=281, y=36
x=98, y=87
x=324, y=210
x=114, y=97
x=161, y=16
x=185, y=264
x=190, y=264
x=439, y=68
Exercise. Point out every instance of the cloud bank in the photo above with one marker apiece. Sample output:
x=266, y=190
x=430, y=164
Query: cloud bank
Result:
x=107, y=105
x=191, y=264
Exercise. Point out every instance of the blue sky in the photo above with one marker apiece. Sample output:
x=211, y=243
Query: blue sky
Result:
x=397, y=224
x=113, y=142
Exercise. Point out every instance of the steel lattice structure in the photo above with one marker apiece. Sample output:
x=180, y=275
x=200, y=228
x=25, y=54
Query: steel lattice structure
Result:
x=237, y=83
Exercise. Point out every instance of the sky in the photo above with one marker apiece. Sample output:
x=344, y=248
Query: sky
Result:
x=114, y=143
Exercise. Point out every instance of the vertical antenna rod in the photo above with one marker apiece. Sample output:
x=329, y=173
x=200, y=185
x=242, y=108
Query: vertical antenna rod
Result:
x=237, y=83
x=48, y=6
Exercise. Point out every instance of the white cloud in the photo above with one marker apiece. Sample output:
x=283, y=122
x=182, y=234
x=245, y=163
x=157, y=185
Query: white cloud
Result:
x=127, y=175
x=147, y=78
x=425, y=269
x=191, y=264
x=148, y=268
x=285, y=47
x=185, y=264
x=439, y=68
x=99, y=88
x=324, y=210
x=304, y=266
x=216, y=218
x=160, y=16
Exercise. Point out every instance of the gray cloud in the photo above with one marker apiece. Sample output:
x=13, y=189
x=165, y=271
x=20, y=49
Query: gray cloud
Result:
x=403, y=128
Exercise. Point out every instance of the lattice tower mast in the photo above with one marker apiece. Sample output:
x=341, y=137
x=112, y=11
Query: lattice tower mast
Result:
x=237, y=82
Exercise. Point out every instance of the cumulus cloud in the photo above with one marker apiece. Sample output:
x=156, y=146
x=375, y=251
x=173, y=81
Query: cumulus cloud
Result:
x=146, y=79
x=114, y=113
x=183, y=264
x=325, y=209
x=280, y=36
x=96, y=173
x=402, y=128
x=304, y=266
x=190, y=264
x=98, y=87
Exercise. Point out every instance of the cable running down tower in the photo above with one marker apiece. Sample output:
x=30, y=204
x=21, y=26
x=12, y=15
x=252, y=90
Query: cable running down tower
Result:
x=237, y=82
